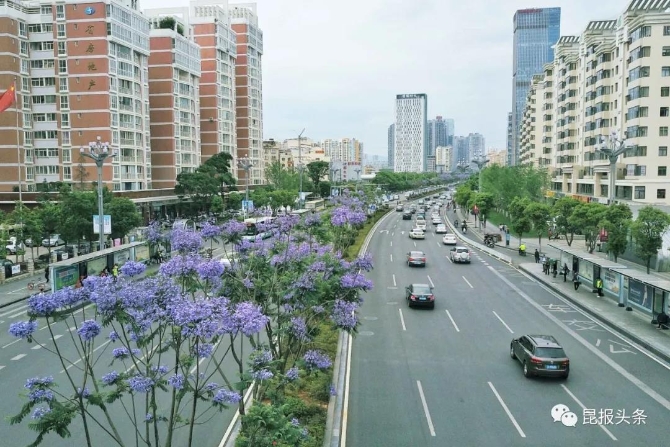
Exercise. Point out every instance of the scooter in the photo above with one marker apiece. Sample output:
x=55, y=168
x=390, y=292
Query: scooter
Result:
x=522, y=252
x=490, y=243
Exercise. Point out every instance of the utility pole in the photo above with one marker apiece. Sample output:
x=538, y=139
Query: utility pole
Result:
x=612, y=147
x=246, y=164
x=480, y=162
x=300, y=167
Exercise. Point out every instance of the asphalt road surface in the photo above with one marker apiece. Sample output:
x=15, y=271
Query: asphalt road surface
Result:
x=444, y=377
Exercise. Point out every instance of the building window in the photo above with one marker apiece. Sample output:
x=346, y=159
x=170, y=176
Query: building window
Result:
x=665, y=111
x=662, y=171
x=665, y=71
x=663, y=151
x=62, y=66
x=666, y=51
x=639, y=192
x=660, y=193
x=61, y=30
x=666, y=30
x=61, y=49
x=665, y=91
x=663, y=131
x=67, y=173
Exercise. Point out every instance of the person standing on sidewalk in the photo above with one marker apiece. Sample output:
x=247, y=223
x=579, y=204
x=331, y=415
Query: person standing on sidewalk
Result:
x=575, y=279
x=599, y=286
x=566, y=270
x=537, y=256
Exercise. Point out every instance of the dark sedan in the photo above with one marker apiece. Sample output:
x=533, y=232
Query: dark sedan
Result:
x=416, y=258
x=420, y=295
x=540, y=355
x=407, y=216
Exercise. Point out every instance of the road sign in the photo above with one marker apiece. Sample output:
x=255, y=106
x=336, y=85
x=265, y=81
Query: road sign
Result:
x=107, y=224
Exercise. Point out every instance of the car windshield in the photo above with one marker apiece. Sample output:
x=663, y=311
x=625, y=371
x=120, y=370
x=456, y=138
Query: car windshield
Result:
x=421, y=289
x=550, y=353
x=461, y=250
x=416, y=254
x=449, y=235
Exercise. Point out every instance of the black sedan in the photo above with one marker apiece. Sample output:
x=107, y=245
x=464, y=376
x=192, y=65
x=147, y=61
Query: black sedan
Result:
x=420, y=295
x=540, y=355
x=407, y=216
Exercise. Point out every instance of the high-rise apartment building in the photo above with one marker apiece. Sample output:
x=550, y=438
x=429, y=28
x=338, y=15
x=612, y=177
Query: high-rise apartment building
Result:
x=537, y=127
x=81, y=72
x=614, y=77
x=344, y=149
x=443, y=159
x=510, y=136
x=437, y=134
x=476, y=147
x=449, y=123
x=174, y=100
x=461, y=152
x=535, y=33
x=248, y=84
x=411, y=133
x=391, y=145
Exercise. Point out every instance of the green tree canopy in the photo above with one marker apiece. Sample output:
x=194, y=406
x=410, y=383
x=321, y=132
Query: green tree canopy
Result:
x=617, y=221
x=317, y=170
x=539, y=215
x=561, y=212
x=588, y=218
x=648, y=230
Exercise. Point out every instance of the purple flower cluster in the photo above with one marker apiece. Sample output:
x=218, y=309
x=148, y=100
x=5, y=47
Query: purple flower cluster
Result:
x=344, y=315
x=292, y=374
x=299, y=329
x=262, y=374
x=140, y=383
x=177, y=381
x=355, y=281
x=224, y=396
x=186, y=241
x=233, y=230
x=89, y=329
x=210, y=231
x=210, y=270
x=316, y=360
x=23, y=329
x=39, y=382
x=110, y=378
x=132, y=268
x=45, y=304
x=313, y=220
x=153, y=232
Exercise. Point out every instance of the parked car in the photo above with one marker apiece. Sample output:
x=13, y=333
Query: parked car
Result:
x=460, y=254
x=540, y=355
x=53, y=241
x=420, y=295
x=417, y=233
x=12, y=246
x=416, y=258
x=449, y=239
x=441, y=229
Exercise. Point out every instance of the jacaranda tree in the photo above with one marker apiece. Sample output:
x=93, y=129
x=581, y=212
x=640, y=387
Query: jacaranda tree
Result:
x=156, y=353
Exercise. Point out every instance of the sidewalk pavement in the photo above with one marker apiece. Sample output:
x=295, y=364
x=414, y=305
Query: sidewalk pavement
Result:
x=632, y=325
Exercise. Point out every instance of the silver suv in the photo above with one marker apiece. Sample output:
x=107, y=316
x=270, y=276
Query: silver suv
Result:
x=460, y=254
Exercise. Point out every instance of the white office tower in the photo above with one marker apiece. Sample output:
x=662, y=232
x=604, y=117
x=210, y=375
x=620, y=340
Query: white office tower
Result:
x=411, y=133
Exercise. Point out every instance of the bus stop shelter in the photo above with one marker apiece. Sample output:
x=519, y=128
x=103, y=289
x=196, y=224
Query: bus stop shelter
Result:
x=72, y=271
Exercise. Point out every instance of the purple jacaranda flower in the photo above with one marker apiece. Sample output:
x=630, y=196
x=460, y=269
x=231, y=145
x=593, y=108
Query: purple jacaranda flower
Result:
x=177, y=381
x=23, y=329
x=246, y=282
x=340, y=216
x=211, y=386
x=262, y=374
x=40, y=395
x=298, y=328
x=181, y=265
x=89, y=329
x=120, y=353
x=40, y=412
x=248, y=318
x=295, y=422
x=332, y=390
x=233, y=230
x=140, y=383
x=355, y=281
x=110, y=378
x=286, y=223
x=292, y=374
x=344, y=314
x=38, y=382
x=113, y=336
x=161, y=370
x=148, y=417
x=316, y=360
x=224, y=396
x=204, y=350
x=357, y=217
x=210, y=231
x=363, y=262
x=210, y=269
x=85, y=393
x=260, y=358
x=153, y=232
x=185, y=241
x=318, y=309
x=305, y=282
x=313, y=220
x=132, y=268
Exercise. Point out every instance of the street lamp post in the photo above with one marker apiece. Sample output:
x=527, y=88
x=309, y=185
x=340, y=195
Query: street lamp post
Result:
x=612, y=147
x=246, y=164
x=99, y=152
x=300, y=166
x=480, y=162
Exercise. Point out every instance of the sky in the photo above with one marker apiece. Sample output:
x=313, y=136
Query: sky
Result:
x=333, y=67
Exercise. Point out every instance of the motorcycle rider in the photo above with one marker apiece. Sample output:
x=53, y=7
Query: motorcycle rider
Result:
x=522, y=249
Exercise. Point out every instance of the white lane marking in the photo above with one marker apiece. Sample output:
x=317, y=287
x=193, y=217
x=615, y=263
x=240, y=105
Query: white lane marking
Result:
x=402, y=320
x=36, y=347
x=56, y=337
x=509, y=413
x=597, y=342
x=74, y=363
x=415, y=244
x=392, y=234
x=72, y=329
x=430, y=281
x=466, y=280
x=23, y=312
x=618, y=368
x=13, y=310
x=2, y=366
x=609, y=433
x=391, y=243
x=18, y=357
x=449, y=258
x=438, y=244
x=9, y=344
x=345, y=411
x=501, y=320
x=233, y=423
x=391, y=258
x=452, y=321
x=425, y=409
x=394, y=283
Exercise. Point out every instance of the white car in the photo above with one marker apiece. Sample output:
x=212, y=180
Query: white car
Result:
x=12, y=247
x=436, y=221
x=441, y=229
x=449, y=239
x=421, y=224
x=460, y=254
x=53, y=241
x=417, y=233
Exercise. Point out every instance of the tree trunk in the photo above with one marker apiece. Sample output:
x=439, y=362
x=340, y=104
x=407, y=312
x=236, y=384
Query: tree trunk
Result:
x=648, y=263
x=569, y=239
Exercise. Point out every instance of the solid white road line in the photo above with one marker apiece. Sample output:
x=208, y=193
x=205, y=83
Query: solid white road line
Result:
x=425, y=409
x=595, y=351
x=402, y=320
x=430, y=281
x=13, y=310
x=501, y=320
x=345, y=410
x=18, y=357
x=452, y=321
x=23, y=312
x=9, y=344
x=509, y=413
x=609, y=433
x=466, y=280
x=394, y=283
x=226, y=435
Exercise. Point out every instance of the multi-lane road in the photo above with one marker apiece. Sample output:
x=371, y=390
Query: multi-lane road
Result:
x=444, y=377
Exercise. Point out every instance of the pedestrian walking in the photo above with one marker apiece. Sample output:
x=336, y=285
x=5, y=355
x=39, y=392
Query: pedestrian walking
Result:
x=566, y=270
x=599, y=287
x=115, y=271
x=575, y=279
x=537, y=256
x=46, y=273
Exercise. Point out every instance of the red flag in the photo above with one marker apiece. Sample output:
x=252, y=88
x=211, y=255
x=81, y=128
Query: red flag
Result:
x=7, y=99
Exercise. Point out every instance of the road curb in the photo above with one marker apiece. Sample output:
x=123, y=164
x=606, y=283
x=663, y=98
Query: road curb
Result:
x=649, y=347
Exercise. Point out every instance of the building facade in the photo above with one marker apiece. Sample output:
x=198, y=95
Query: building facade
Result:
x=443, y=159
x=344, y=149
x=476, y=147
x=174, y=101
x=498, y=158
x=411, y=133
x=391, y=145
x=535, y=33
x=510, y=136
x=536, y=135
x=438, y=134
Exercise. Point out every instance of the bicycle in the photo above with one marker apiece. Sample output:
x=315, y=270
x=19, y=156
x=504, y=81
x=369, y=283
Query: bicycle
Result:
x=40, y=286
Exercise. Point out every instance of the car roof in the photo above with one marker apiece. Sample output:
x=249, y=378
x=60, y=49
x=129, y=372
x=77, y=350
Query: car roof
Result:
x=544, y=341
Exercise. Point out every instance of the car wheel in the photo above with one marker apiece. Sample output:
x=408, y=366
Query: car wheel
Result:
x=526, y=372
x=511, y=352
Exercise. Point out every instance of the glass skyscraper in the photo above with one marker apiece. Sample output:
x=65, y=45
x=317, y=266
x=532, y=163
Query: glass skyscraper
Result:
x=536, y=31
